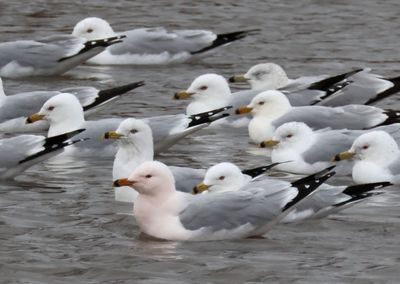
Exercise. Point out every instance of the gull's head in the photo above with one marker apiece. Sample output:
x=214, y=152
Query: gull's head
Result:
x=132, y=131
x=266, y=76
x=221, y=177
x=376, y=146
x=151, y=178
x=291, y=135
x=93, y=28
x=267, y=103
x=206, y=86
x=59, y=109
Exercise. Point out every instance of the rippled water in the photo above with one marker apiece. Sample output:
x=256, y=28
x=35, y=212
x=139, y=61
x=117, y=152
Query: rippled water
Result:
x=59, y=223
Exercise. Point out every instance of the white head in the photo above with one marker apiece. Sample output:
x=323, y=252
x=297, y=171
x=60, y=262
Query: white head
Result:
x=269, y=102
x=294, y=135
x=266, y=76
x=224, y=177
x=208, y=86
x=376, y=146
x=93, y=28
x=152, y=178
x=64, y=113
x=134, y=133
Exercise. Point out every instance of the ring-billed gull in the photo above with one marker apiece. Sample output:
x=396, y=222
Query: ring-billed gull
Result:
x=152, y=45
x=53, y=55
x=65, y=113
x=354, y=87
x=376, y=158
x=270, y=109
x=327, y=200
x=135, y=146
x=16, y=108
x=311, y=151
x=21, y=152
x=165, y=213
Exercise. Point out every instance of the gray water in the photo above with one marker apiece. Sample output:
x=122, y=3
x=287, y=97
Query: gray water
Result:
x=59, y=222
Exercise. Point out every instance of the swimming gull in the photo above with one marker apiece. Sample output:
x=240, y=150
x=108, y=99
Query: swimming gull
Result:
x=16, y=108
x=49, y=56
x=152, y=45
x=64, y=113
x=165, y=213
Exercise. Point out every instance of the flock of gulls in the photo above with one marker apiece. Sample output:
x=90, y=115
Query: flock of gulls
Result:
x=313, y=126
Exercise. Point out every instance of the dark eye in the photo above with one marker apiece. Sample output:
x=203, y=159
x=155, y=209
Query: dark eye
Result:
x=261, y=103
x=148, y=176
x=203, y=88
x=365, y=147
x=133, y=131
x=289, y=135
x=89, y=30
x=50, y=108
x=221, y=178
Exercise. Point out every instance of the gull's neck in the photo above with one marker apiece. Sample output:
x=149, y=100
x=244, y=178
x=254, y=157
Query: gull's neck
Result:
x=130, y=155
x=70, y=123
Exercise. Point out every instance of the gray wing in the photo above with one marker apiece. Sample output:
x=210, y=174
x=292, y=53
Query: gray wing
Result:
x=364, y=86
x=15, y=149
x=85, y=95
x=394, y=168
x=187, y=178
x=94, y=130
x=350, y=117
x=242, y=98
x=23, y=104
x=328, y=144
x=229, y=210
x=159, y=40
x=43, y=53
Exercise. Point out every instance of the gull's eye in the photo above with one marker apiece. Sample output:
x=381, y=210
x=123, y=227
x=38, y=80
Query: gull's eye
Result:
x=133, y=131
x=148, y=176
x=261, y=103
x=203, y=88
x=221, y=178
x=50, y=108
x=289, y=135
x=365, y=147
x=89, y=30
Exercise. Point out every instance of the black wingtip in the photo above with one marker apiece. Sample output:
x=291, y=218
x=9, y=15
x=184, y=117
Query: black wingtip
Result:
x=333, y=84
x=91, y=44
x=393, y=90
x=358, y=189
x=55, y=143
x=208, y=116
x=108, y=94
x=223, y=39
x=308, y=184
x=255, y=172
x=393, y=116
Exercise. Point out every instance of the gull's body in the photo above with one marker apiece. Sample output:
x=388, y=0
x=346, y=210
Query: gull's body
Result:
x=150, y=46
x=354, y=87
x=15, y=109
x=328, y=199
x=165, y=213
x=50, y=56
x=271, y=109
x=64, y=113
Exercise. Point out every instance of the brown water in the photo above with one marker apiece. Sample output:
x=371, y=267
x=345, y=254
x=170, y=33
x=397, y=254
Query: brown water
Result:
x=60, y=224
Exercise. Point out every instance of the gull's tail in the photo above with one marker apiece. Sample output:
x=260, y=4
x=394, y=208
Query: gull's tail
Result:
x=332, y=85
x=105, y=96
x=307, y=185
x=388, y=92
x=208, y=116
x=223, y=39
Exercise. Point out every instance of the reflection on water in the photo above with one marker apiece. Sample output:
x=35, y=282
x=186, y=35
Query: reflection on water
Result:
x=59, y=222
